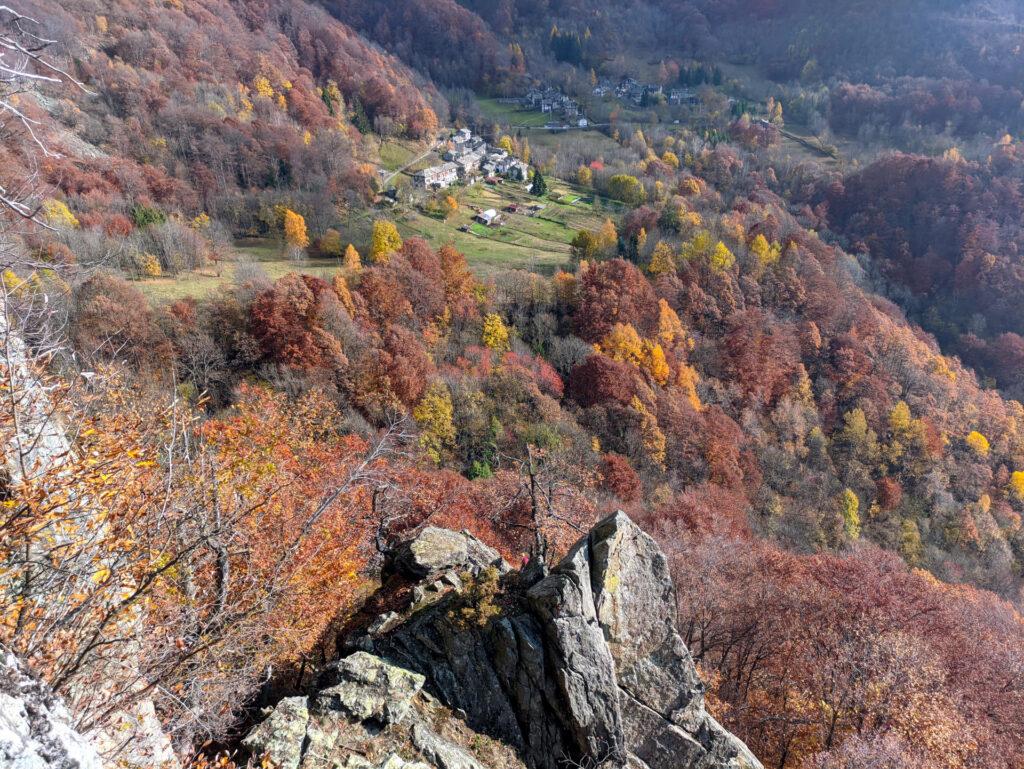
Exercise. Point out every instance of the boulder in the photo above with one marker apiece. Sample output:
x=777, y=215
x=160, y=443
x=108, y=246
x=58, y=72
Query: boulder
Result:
x=395, y=761
x=441, y=753
x=372, y=715
x=435, y=551
x=369, y=689
x=282, y=735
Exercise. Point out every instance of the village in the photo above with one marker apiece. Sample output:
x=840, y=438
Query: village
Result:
x=567, y=113
x=467, y=160
x=478, y=195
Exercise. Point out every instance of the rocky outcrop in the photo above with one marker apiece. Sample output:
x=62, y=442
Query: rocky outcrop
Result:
x=582, y=666
x=35, y=729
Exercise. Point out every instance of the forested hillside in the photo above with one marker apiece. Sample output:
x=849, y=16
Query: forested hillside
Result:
x=245, y=362
x=201, y=107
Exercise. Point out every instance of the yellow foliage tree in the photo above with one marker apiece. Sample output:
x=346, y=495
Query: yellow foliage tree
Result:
x=623, y=343
x=690, y=186
x=978, y=443
x=608, y=238
x=641, y=240
x=721, y=259
x=652, y=438
x=295, y=234
x=849, y=506
x=584, y=176
x=905, y=434
x=149, y=265
x=697, y=247
x=662, y=259
x=57, y=214
x=340, y=286
x=1017, y=484
x=900, y=418
x=690, y=220
x=435, y=417
x=910, y=542
x=262, y=87
x=687, y=379
x=767, y=253
x=496, y=335
x=670, y=328
x=506, y=143
x=655, y=363
x=386, y=241
x=940, y=367
x=670, y=158
x=352, y=261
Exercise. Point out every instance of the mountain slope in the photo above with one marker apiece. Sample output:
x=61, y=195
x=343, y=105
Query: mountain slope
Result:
x=198, y=106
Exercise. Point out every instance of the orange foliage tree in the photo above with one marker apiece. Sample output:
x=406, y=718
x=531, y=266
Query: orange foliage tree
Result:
x=208, y=553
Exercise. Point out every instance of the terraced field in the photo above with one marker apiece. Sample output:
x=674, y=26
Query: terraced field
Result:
x=531, y=241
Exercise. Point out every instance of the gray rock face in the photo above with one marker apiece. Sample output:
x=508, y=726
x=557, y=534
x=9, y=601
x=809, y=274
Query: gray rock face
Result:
x=35, y=728
x=584, y=666
x=564, y=603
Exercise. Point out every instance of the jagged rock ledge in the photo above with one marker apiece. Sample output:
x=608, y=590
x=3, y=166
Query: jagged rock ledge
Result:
x=582, y=666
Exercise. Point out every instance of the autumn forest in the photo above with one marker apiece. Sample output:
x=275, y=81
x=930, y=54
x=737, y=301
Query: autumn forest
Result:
x=246, y=348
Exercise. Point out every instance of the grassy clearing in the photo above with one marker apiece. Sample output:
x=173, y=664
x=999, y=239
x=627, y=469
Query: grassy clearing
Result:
x=202, y=283
x=538, y=242
x=511, y=114
x=398, y=153
x=588, y=143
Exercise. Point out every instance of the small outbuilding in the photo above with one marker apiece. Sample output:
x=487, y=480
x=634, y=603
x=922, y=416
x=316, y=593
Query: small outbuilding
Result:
x=488, y=217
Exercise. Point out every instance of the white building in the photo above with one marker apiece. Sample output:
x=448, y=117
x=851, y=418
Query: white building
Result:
x=487, y=217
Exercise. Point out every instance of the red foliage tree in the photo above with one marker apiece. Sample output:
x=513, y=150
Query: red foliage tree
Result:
x=619, y=478
x=614, y=292
x=600, y=379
